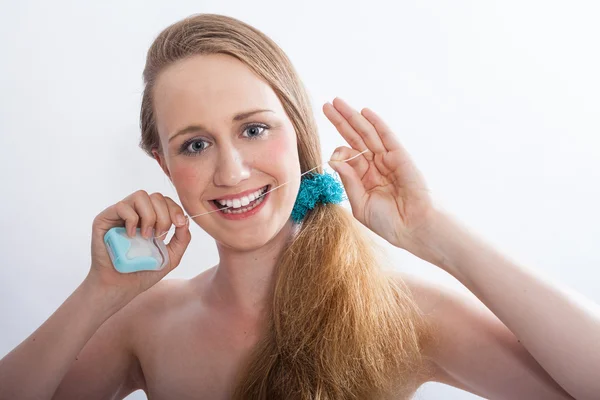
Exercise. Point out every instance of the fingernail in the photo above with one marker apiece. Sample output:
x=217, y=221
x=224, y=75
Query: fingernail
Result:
x=180, y=219
x=148, y=231
x=335, y=156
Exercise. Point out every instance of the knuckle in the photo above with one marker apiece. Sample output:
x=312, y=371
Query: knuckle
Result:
x=340, y=124
x=173, y=206
x=151, y=214
x=354, y=118
x=149, y=220
x=121, y=207
x=163, y=221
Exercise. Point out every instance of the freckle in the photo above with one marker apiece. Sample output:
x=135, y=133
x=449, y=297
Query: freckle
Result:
x=76, y=358
x=34, y=339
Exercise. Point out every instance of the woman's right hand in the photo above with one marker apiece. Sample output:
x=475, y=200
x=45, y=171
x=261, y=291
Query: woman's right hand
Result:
x=137, y=210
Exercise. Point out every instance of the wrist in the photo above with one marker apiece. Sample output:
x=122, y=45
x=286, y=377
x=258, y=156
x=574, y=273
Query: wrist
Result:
x=107, y=300
x=450, y=245
x=430, y=241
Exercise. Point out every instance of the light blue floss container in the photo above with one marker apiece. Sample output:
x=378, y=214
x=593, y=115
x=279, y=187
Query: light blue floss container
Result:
x=136, y=253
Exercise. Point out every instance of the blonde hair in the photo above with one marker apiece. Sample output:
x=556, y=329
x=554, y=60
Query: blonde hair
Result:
x=338, y=327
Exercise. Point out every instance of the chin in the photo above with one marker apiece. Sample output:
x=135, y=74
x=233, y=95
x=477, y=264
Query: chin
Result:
x=249, y=240
x=245, y=242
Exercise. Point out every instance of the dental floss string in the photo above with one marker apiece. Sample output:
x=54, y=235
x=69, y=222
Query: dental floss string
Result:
x=277, y=187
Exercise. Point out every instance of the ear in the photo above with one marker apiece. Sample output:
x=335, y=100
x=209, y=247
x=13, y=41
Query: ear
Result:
x=158, y=156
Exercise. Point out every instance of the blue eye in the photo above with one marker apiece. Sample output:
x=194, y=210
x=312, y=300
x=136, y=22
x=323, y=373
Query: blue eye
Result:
x=255, y=130
x=195, y=147
x=191, y=147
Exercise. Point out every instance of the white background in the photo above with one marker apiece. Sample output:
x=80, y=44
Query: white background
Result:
x=497, y=102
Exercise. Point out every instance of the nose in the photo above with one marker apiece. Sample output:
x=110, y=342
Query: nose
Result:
x=231, y=167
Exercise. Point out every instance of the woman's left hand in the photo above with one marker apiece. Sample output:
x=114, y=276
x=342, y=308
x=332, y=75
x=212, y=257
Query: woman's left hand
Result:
x=387, y=192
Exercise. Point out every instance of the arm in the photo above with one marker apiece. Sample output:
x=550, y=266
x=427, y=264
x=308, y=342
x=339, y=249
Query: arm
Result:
x=35, y=368
x=558, y=327
x=474, y=351
x=389, y=195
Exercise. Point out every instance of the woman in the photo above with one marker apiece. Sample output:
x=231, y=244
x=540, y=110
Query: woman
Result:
x=292, y=310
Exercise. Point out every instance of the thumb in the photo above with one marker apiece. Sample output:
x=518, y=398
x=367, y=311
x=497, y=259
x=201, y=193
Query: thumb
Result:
x=178, y=244
x=352, y=183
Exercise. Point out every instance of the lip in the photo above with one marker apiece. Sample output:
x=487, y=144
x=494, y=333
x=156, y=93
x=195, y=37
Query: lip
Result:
x=245, y=215
x=238, y=195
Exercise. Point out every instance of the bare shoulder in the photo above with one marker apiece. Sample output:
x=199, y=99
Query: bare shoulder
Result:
x=460, y=326
x=160, y=303
x=155, y=308
x=139, y=316
x=167, y=294
x=453, y=317
x=159, y=297
x=431, y=299
x=108, y=366
x=429, y=296
x=472, y=349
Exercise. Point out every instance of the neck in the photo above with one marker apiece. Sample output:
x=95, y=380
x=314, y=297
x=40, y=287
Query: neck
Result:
x=242, y=280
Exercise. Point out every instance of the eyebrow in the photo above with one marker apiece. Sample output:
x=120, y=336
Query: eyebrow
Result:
x=239, y=117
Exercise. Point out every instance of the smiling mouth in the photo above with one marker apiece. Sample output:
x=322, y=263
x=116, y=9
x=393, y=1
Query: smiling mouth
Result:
x=243, y=209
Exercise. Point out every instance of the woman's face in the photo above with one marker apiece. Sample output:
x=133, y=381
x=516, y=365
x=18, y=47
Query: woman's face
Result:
x=226, y=136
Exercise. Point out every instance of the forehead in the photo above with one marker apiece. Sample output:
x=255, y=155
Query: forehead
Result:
x=208, y=89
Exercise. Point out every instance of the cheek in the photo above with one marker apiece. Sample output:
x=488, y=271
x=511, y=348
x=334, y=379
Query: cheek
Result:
x=283, y=153
x=283, y=163
x=186, y=176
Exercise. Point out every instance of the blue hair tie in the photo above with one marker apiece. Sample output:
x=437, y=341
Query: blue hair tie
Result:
x=316, y=188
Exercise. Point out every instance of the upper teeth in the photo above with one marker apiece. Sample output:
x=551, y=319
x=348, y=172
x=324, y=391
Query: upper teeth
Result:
x=242, y=201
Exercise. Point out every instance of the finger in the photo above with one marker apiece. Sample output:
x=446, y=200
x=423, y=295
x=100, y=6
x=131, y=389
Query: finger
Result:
x=163, y=217
x=116, y=214
x=352, y=184
x=360, y=163
x=177, y=246
x=343, y=127
x=388, y=138
x=143, y=206
x=177, y=214
x=361, y=125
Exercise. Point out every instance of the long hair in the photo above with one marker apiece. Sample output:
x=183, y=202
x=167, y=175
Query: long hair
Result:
x=338, y=327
